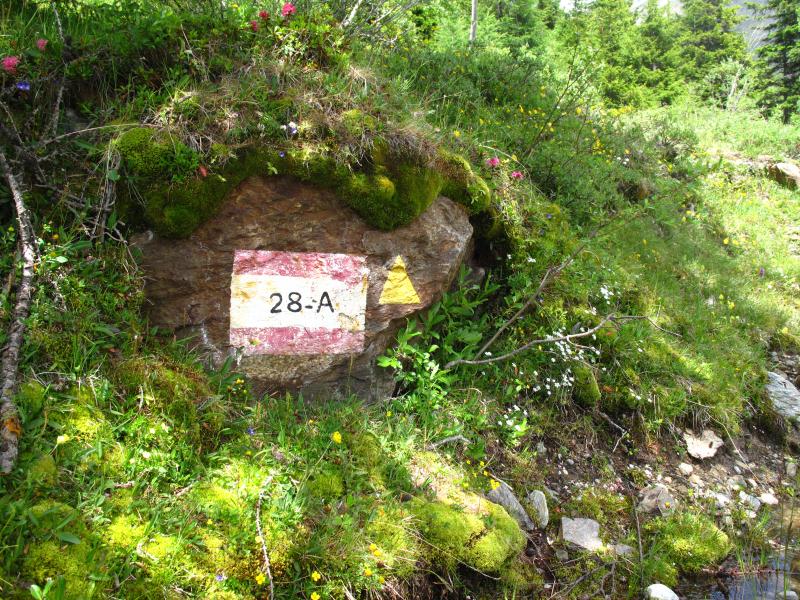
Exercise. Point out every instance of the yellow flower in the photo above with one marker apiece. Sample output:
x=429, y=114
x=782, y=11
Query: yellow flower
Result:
x=316, y=576
x=209, y=522
x=368, y=572
x=731, y=305
x=381, y=579
x=494, y=483
x=62, y=439
x=457, y=133
x=260, y=579
x=377, y=552
x=372, y=547
x=315, y=596
x=336, y=437
x=389, y=413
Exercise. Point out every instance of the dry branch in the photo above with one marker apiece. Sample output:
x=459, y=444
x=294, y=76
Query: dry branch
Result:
x=10, y=428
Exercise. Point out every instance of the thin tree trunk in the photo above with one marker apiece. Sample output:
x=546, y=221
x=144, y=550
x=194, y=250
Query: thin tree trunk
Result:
x=473, y=27
x=10, y=429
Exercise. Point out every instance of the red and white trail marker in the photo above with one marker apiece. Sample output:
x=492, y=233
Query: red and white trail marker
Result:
x=298, y=302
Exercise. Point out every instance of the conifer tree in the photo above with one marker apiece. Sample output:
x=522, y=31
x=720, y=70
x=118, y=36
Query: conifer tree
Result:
x=709, y=36
x=781, y=57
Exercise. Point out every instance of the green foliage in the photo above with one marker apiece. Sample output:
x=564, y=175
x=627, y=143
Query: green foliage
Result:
x=780, y=57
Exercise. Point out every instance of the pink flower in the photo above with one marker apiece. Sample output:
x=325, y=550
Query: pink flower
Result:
x=263, y=15
x=254, y=25
x=517, y=175
x=492, y=162
x=41, y=43
x=288, y=9
x=10, y=64
x=203, y=171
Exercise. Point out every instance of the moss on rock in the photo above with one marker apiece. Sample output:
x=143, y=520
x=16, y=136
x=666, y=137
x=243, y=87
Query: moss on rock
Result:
x=389, y=193
x=73, y=562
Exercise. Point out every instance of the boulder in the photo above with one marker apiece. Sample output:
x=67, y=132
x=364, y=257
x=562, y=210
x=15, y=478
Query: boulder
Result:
x=785, y=173
x=355, y=285
x=538, y=502
x=504, y=496
x=702, y=446
x=658, y=591
x=583, y=533
x=784, y=395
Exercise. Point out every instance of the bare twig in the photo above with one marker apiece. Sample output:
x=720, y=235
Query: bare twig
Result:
x=10, y=429
x=447, y=440
x=267, y=567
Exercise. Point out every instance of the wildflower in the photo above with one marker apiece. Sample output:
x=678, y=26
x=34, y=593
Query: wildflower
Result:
x=725, y=241
x=264, y=15
x=288, y=9
x=316, y=576
x=146, y=454
x=41, y=44
x=24, y=86
x=389, y=413
x=10, y=64
x=62, y=439
x=494, y=484
x=209, y=522
x=381, y=579
x=315, y=596
x=290, y=128
x=219, y=577
x=203, y=171
x=372, y=547
x=260, y=579
x=281, y=153
x=492, y=162
x=254, y=25
x=251, y=431
x=336, y=437
x=456, y=134
x=517, y=175
x=368, y=572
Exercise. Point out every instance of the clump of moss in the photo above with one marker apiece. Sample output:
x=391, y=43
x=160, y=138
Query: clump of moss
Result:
x=586, y=390
x=356, y=122
x=462, y=185
x=218, y=502
x=486, y=543
x=43, y=472
x=391, y=531
x=30, y=398
x=124, y=533
x=683, y=543
x=151, y=154
x=50, y=516
x=73, y=562
x=327, y=484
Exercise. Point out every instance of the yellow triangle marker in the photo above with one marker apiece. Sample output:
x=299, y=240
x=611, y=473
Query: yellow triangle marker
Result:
x=398, y=288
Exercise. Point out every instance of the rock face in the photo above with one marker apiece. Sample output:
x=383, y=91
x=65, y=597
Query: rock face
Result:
x=280, y=230
x=702, y=446
x=784, y=395
x=787, y=174
x=583, y=533
x=538, y=501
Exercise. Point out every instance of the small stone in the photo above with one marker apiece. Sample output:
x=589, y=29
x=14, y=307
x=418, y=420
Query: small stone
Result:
x=784, y=395
x=686, y=469
x=541, y=448
x=657, y=498
x=538, y=501
x=721, y=499
x=736, y=482
x=703, y=446
x=504, y=496
x=696, y=481
x=768, y=498
x=622, y=549
x=584, y=533
x=791, y=470
x=751, y=501
x=658, y=591
x=562, y=555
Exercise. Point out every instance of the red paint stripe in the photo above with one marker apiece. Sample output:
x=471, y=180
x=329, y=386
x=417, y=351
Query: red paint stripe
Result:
x=296, y=340
x=348, y=268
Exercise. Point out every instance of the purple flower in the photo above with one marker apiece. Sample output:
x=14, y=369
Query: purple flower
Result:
x=24, y=86
x=219, y=577
x=762, y=271
x=251, y=431
x=281, y=153
x=549, y=216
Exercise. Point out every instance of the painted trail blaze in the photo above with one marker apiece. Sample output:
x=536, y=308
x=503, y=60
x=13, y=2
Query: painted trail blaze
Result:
x=298, y=302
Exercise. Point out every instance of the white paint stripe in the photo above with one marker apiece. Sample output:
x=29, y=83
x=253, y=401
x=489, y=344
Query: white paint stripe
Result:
x=255, y=297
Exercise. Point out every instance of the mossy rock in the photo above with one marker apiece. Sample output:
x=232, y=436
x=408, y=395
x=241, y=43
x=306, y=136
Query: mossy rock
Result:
x=502, y=541
x=586, y=390
x=689, y=541
x=30, y=398
x=74, y=562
